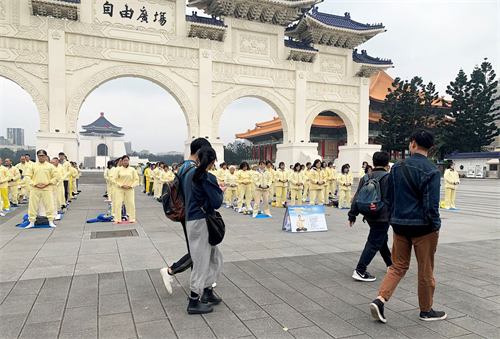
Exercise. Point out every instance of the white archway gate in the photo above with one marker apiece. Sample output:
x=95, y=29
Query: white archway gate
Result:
x=60, y=51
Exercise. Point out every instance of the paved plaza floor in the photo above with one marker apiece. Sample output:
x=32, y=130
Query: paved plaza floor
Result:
x=60, y=283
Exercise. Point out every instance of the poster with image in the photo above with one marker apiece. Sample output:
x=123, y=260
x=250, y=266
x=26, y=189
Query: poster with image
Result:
x=301, y=219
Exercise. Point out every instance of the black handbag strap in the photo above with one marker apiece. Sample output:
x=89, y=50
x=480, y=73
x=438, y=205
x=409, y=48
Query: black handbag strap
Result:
x=410, y=181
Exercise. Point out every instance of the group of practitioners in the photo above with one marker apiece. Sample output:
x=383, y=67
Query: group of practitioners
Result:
x=206, y=189
x=47, y=185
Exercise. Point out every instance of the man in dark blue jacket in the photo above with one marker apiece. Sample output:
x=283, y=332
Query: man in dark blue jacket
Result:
x=412, y=197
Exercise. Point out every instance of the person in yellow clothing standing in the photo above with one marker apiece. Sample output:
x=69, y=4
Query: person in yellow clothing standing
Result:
x=316, y=183
x=126, y=179
x=296, y=185
x=74, y=177
x=108, y=181
x=23, y=167
x=41, y=177
x=158, y=184
x=307, y=172
x=231, y=192
x=262, y=181
x=280, y=184
x=140, y=174
x=63, y=160
x=59, y=188
x=334, y=175
x=451, y=180
x=111, y=176
x=270, y=169
x=151, y=176
x=13, y=177
x=4, y=187
x=326, y=186
x=345, y=183
x=244, y=180
x=146, y=178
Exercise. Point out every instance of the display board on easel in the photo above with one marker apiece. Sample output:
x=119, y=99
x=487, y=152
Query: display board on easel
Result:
x=305, y=218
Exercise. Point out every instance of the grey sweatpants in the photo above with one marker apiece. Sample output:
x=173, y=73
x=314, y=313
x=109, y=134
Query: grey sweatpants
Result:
x=207, y=259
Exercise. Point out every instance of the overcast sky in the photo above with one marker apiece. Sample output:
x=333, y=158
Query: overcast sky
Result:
x=432, y=39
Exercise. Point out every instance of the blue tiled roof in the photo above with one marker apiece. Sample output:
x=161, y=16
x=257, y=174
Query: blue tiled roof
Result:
x=102, y=124
x=341, y=21
x=299, y=45
x=476, y=155
x=204, y=20
x=72, y=1
x=364, y=58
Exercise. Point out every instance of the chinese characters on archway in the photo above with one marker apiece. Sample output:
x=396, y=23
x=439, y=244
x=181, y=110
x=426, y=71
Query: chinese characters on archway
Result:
x=128, y=13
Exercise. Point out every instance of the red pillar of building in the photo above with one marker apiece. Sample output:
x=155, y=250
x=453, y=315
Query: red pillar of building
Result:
x=322, y=148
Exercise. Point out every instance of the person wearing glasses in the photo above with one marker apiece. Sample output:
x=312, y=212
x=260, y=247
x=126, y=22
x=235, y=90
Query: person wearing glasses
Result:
x=41, y=177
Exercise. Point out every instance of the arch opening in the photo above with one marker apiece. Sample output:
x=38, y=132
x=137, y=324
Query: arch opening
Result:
x=102, y=150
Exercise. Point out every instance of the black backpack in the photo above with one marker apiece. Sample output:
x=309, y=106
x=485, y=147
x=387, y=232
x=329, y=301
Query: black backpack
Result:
x=369, y=198
x=172, y=198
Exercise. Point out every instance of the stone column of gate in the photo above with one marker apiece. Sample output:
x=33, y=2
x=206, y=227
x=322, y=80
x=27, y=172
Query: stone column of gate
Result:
x=299, y=149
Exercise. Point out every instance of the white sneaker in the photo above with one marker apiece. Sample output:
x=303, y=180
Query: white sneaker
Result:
x=167, y=279
x=2, y=214
x=57, y=217
x=31, y=225
x=214, y=285
x=51, y=224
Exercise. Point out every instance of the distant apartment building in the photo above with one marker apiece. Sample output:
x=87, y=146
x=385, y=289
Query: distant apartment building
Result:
x=15, y=136
x=128, y=147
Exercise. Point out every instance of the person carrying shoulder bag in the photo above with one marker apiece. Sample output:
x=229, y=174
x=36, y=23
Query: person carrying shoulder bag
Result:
x=206, y=197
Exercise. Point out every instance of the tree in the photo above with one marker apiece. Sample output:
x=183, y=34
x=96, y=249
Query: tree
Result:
x=237, y=155
x=473, y=109
x=410, y=105
x=7, y=153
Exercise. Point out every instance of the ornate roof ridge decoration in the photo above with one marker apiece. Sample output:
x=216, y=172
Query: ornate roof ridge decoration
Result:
x=206, y=27
x=98, y=134
x=276, y=12
x=102, y=126
x=364, y=58
x=369, y=65
x=300, y=51
x=60, y=9
x=332, y=30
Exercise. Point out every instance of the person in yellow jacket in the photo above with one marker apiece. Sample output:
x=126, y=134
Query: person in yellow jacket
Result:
x=63, y=160
x=23, y=166
x=334, y=175
x=231, y=192
x=296, y=185
x=244, y=180
x=317, y=180
x=362, y=171
x=151, y=174
x=125, y=180
x=326, y=186
x=59, y=187
x=280, y=184
x=75, y=174
x=4, y=187
x=55, y=190
x=111, y=176
x=307, y=173
x=451, y=180
x=222, y=173
x=41, y=177
x=22, y=188
x=138, y=168
x=146, y=177
x=158, y=181
x=109, y=191
x=262, y=181
x=345, y=184
x=13, y=177
x=270, y=169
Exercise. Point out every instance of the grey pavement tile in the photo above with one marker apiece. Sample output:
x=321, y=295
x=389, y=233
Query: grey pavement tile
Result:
x=11, y=325
x=8, y=274
x=309, y=332
x=55, y=288
x=181, y=320
x=17, y=304
x=81, y=319
x=267, y=328
x=475, y=326
x=112, y=283
x=196, y=333
x=27, y=287
x=53, y=261
x=232, y=330
x=287, y=316
x=418, y=332
x=45, y=330
x=98, y=267
x=47, y=272
x=139, y=285
x=261, y=295
x=113, y=303
x=155, y=330
x=47, y=311
x=300, y=302
x=117, y=326
x=332, y=324
x=476, y=312
x=340, y=308
x=445, y=328
x=375, y=329
x=147, y=310
x=245, y=308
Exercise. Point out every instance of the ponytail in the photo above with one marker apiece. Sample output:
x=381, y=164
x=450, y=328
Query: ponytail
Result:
x=206, y=155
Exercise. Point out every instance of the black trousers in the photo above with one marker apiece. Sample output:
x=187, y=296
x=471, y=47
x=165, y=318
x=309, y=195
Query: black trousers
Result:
x=66, y=189
x=185, y=262
x=145, y=182
x=377, y=242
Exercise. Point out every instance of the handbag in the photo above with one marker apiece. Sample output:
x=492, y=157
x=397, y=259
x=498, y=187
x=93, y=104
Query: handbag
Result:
x=215, y=225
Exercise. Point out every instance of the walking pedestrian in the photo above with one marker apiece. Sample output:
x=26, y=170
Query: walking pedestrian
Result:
x=378, y=221
x=412, y=197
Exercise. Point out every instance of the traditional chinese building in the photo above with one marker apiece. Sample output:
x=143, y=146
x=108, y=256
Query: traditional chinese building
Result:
x=99, y=142
x=328, y=130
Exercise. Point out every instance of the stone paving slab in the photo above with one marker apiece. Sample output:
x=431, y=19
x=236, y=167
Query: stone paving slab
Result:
x=58, y=283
